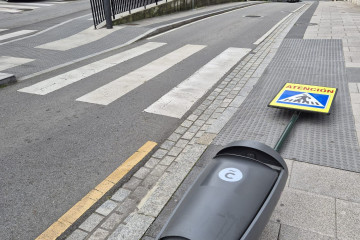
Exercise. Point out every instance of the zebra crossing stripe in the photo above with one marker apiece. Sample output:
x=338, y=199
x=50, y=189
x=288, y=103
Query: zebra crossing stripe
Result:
x=15, y=34
x=36, y=4
x=1, y=30
x=10, y=62
x=181, y=98
x=9, y=10
x=119, y=87
x=65, y=79
x=18, y=6
x=84, y=37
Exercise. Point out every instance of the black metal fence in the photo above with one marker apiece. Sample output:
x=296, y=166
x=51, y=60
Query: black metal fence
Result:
x=117, y=7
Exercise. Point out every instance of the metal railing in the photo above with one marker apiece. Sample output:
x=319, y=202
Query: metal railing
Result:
x=101, y=11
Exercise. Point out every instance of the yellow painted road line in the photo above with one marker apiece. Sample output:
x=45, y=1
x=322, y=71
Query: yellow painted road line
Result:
x=71, y=216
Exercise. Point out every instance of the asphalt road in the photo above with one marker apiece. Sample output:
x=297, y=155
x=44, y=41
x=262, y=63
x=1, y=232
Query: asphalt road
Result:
x=54, y=149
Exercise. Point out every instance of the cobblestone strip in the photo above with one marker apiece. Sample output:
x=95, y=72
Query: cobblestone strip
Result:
x=132, y=209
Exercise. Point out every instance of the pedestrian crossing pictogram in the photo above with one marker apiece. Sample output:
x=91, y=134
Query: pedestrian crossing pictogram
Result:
x=304, y=98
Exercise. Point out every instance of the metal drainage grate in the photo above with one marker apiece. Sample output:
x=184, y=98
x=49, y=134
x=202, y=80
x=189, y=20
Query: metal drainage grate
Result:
x=313, y=24
x=252, y=16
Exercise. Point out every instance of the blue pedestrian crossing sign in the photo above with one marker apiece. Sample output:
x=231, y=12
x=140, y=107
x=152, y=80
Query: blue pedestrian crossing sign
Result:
x=305, y=98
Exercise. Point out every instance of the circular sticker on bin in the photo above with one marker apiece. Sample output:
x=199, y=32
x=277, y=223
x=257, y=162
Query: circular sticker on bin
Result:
x=230, y=175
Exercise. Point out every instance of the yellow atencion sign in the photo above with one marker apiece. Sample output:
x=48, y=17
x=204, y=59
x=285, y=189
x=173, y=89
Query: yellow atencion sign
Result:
x=305, y=98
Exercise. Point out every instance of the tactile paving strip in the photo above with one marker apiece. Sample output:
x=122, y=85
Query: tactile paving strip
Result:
x=328, y=140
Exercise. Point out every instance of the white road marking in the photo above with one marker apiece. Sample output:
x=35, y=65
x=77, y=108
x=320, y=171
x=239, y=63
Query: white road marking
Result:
x=271, y=30
x=181, y=98
x=3, y=30
x=15, y=34
x=65, y=79
x=34, y=4
x=18, y=6
x=9, y=10
x=46, y=30
x=119, y=87
x=298, y=8
x=84, y=37
x=10, y=62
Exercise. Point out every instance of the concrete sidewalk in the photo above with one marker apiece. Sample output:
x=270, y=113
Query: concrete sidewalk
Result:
x=322, y=196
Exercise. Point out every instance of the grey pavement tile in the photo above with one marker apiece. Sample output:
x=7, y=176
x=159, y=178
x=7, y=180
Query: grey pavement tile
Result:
x=99, y=234
x=353, y=87
x=142, y=173
x=107, y=207
x=356, y=109
x=193, y=117
x=120, y=195
x=132, y=183
x=348, y=220
x=160, y=153
x=199, y=123
x=292, y=233
x=220, y=123
x=114, y=235
x=113, y=221
x=193, y=129
x=182, y=143
x=206, y=138
x=127, y=206
x=326, y=181
x=91, y=222
x=187, y=123
x=174, y=137
x=355, y=97
x=307, y=211
x=352, y=64
x=354, y=49
x=189, y=135
x=167, y=160
x=158, y=170
x=237, y=101
x=139, y=193
x=134, y=228
x=271, y=231
x=77, y=235
x=152, y=162
x=149, y=181
x=153, y=203
x=181, y=130
x=167, y=145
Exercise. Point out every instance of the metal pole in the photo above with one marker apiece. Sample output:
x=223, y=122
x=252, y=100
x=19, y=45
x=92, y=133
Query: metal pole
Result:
x=192, y=4
x=287, y=130
x=107, y=9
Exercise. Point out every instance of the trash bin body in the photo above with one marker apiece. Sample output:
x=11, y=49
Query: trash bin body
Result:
x=233, y=197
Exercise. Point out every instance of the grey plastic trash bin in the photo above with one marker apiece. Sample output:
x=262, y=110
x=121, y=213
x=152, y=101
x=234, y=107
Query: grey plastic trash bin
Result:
x=233, y=198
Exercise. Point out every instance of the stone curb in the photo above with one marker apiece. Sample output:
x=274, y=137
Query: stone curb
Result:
x=177, y=24
x=6, y=78
x=149, y=33
x=139, y=202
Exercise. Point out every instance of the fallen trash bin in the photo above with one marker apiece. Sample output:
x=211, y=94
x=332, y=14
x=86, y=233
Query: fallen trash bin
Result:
x=234, y=196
